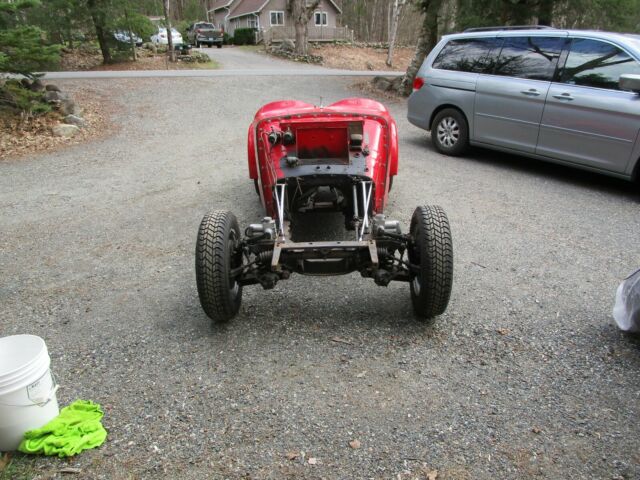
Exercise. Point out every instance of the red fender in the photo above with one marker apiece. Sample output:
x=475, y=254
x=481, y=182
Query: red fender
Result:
x=251, y=154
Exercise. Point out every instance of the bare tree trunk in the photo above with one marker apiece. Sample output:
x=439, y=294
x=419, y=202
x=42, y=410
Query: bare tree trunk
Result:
x=132, y=41
x=301, y=12
x=99, y=22
x=165, y=4
x=398, y=5
x=545, y=12
x=426, y=41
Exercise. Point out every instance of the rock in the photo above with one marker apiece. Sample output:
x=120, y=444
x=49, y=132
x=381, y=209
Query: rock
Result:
x=382, y=83
x=75, y=120
x=287, y=45
x=26, y=83
x=52, y=97
x=69, y=107
x=50, y=87
x=37, y=85
x=65, y=130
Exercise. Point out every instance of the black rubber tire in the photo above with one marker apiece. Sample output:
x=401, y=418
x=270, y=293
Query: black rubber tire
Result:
x=219, y=45
x=197, y=44
x=255, y=184
x=461, y=145
x=220, y=297
x=390, y=183
x=432, y=250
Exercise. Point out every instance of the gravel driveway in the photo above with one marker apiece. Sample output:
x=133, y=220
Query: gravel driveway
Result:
x=524, y=376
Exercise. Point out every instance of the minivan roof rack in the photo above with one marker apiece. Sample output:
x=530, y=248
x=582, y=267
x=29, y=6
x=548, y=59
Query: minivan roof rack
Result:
x=512, y=27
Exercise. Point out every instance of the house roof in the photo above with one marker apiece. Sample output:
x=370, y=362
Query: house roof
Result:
x=247, y=7
x=220, y=4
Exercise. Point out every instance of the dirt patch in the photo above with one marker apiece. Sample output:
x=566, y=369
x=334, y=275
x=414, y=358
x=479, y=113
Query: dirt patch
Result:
x=353, y=57
x=19, y=138
x=90, y=58
x=368, y=89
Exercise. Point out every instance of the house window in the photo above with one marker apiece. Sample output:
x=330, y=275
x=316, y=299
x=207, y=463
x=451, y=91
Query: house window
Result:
x=321, y=19
x=277, y=18
x=252, y=22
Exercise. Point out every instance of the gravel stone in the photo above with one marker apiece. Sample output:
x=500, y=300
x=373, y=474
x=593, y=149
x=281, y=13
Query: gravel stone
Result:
x=97, y=257
x=65, y=130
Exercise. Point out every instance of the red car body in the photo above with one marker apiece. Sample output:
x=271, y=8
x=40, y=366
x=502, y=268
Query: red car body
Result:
x=328, y=127
x=306, y=159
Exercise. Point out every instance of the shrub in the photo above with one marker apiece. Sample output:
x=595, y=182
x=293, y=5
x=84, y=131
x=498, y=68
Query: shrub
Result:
x=14, y=96
x=244, y=36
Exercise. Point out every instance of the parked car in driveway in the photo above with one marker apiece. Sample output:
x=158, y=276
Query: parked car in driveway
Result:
x=565, y=96
x=160, y=37
x=200, y=33
x=122, y=36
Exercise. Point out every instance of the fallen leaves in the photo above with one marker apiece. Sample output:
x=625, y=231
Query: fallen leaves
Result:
x=536, y=430
x=432, y=475
x=355, y=444
x=313, y=461
x=5, y=460
x=341, y=340
x=503, y=331
x=292, y=455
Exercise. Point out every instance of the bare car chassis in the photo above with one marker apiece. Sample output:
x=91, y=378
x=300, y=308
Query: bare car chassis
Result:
x=341, y=158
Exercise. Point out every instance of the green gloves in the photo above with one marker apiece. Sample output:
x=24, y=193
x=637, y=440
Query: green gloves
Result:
x=77, y=428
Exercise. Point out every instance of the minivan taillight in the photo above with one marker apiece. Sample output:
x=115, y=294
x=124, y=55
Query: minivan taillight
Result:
x=418, y=83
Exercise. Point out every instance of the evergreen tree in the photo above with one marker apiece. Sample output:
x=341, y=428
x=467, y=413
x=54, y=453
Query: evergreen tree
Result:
x=22, y=49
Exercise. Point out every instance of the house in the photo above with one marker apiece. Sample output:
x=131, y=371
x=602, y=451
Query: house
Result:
x=272, y=21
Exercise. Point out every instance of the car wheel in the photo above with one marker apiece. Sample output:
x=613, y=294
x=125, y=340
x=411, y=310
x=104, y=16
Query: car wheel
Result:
x=219, y=45
x=216, y=256
x=257, y=187
x=450, y=132
x=431, y=250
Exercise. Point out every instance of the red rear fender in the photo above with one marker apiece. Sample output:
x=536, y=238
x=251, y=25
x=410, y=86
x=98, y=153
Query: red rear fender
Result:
x=251, y=154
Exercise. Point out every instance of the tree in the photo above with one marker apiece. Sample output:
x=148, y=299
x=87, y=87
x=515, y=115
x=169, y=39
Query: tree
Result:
x=22, y=50
x=301, y=12
x=398, y=5
x=426, y=41
x=165, y=6
x=98, y=10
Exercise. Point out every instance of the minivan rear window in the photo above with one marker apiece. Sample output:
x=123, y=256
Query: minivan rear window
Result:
x=534, y=58
x=466, y=55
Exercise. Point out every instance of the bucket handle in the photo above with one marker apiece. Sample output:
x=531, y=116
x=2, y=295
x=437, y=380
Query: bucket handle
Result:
x=40, y=402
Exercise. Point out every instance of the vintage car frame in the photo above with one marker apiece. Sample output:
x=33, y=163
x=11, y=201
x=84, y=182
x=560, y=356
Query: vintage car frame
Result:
x=340, y=158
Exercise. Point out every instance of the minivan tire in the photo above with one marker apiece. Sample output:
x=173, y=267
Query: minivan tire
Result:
x=450, y=132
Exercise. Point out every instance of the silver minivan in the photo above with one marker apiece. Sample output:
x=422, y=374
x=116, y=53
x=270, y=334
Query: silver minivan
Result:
x=566, y=96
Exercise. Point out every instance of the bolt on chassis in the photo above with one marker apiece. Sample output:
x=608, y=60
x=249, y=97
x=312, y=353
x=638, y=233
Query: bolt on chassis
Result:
x=306, y=158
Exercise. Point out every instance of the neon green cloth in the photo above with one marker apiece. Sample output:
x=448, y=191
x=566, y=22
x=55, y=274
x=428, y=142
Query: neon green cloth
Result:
x=75, y=429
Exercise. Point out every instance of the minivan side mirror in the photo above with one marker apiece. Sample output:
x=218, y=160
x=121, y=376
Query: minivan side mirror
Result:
x=629, y=82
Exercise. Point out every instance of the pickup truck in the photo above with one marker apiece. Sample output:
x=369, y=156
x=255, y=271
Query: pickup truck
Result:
x=200, y=33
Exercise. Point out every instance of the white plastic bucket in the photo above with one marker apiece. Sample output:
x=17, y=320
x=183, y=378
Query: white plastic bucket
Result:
x=27, y=388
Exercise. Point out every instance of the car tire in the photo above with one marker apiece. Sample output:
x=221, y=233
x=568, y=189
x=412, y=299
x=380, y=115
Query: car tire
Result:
x=450, y=132
x=197, y=44
x=216, y=256
x=257, y=187
x=219, y=45
x=431, y=250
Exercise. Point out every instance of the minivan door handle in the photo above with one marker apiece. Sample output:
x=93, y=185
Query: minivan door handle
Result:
x=532, y=92
x=564, y=96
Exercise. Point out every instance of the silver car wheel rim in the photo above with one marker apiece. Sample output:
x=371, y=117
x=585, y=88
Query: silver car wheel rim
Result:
x=448, y=132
